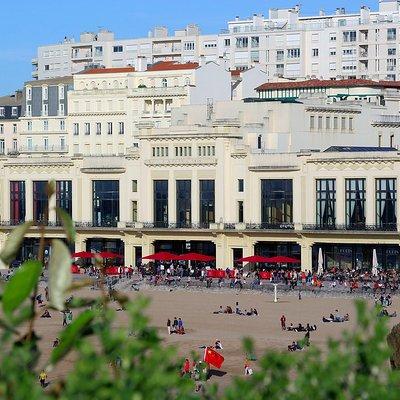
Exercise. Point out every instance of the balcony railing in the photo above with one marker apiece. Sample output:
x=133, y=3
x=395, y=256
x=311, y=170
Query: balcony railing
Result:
x=266, y=226
x=43, y=149
x=352, y=227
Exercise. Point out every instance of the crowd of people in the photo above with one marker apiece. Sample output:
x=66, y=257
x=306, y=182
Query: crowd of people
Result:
x=176, y=326
x=238, y=311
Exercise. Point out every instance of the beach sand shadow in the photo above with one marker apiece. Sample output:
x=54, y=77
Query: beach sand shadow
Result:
x=217, y=373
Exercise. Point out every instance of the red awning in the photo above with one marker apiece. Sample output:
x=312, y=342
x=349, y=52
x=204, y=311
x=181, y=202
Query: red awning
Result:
x=108, y=254
x=253, y=259
x=161, y=256
x=283, y=260
x=195, y=257
x=83, y=254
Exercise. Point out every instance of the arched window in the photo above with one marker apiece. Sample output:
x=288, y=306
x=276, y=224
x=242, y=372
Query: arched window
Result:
x=164, y=82
x=187, y=81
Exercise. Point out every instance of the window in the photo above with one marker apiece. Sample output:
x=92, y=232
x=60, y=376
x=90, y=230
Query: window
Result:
x=259, y=142
x=240, y=185
x=188, y=46
x=392, y=51
x=328, y=123
x=29, y=143
x=335, y=123
x=254, y=56
x=312, y=122
x=391, y=141
x=386, y=204
x=109, y=128
x=276, y=201
x=315, y=52
x=242, y=42
x=183, y=203
x=255, y=41
x=28, y=110
x=62, y=143
x=28, y=93
x=164, y=82
x=98, y=51
x=45, y=92
x=2, y=112
x=64, y=197
x=351, y=127
x=160, y=203
x=15, y=144
x=332, y=37
x=332, y=66
x=40, y=202
x=332, y=52
x=29, y=125
x=61, y=92
x=98, y=128
x=2, y=146
x=207, y=202
x=227, y=42
x=391, y=64
x=61, y=108
x=87, y=128
x=46, y=125
x=355, y=203
x=391, y=34
x=1, y=128
x=105, y=203
x=326, y=203
x=14, y=111
x=45, y=110
x=319, y=122
x=343, y=124
x=293, y=53
x=17, y=202
x=280, y=55
x=349, y=36
x=62, y=125
x=46, y=143
x=14, y=128
x=134, y=186
x=76, y=129
x=134, y=211
x=240, y=211
x=117, y=49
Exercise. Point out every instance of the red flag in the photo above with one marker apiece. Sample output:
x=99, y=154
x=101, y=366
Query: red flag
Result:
x=212, y=357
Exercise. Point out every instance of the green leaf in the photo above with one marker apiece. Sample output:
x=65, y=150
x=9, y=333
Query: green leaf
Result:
x=21, y=285
x=76, y=330
x=67, y=223
x=60, y=275
x=50, y=188
x=13, y=243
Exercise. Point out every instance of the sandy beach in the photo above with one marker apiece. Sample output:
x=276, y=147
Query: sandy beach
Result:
x=203, y=327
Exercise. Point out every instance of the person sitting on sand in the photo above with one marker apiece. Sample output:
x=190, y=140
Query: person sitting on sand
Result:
x=46, y=314
x=218, y=345
x=56, y=342
x=228, y=310
x=220, y=311
x=385, y=313
x=237, y=310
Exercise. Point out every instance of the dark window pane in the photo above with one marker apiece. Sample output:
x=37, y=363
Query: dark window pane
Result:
x=326, y=202
x=105, y=203
x=64, y=197
x=183, y=202
x=17, y=202
x=355, y=203
x=276, y=201
x=386, y=203
x=207, y=201
x=160, y=196
x=40, y=202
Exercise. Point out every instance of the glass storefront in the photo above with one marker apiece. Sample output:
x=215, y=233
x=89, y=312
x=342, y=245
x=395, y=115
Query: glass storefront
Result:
x=17, y=202
x=40, y=202
x=386, y=202
x=272, y=249
x=183, y=203
x=355, y=203
x=356, y=256
x=326, y=203
x=105, y=203
x=276, y=201
x=182, y=246
x=207, y=202
x=160, y=196
x=64, y=197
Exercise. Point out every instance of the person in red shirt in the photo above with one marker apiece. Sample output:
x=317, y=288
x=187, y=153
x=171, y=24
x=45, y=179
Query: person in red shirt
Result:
x=283, y=323
x=186, y=367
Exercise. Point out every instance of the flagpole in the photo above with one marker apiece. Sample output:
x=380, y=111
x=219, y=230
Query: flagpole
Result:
x=275, y=293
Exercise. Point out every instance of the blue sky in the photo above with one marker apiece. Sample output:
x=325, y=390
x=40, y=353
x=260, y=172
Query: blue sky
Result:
x=26, y=24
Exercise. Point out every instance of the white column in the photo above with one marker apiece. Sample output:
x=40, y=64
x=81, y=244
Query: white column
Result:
x=370, y=201
x=306, y=256
x=29, y=200
x=340, y=201
x=171, y=197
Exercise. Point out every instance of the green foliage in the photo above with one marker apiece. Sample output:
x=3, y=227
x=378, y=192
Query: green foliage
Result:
x=68, y=224
x=21, y=286
x=13, y=243
x=60, y=275
x=131, y=362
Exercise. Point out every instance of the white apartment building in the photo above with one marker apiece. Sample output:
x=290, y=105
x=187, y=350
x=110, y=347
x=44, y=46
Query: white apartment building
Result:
x=108, y=106
x=285, y=43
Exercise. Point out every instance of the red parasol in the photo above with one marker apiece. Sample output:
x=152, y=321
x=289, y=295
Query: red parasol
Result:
x=108, y=254
x=83, y=254
x=195, y=257
x=75, y=269
x=161, y=256
x=253, y=259
x=283, y=260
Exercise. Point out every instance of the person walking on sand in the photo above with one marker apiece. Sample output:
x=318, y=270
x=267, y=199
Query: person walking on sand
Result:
x=283, y=323
x=42, y=378
x=169, y=326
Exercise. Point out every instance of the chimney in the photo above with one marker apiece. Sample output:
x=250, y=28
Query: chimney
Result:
x=141, y=64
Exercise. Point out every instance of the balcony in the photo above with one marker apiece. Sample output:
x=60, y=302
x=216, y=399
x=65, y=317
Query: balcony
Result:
x=174, y=49
x=34, y=61
x=353, y=227
x=159, y=91
x=81, y=56
x=43, y=149
x=268, y=226
x=387, y=120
